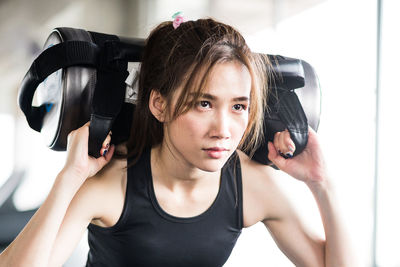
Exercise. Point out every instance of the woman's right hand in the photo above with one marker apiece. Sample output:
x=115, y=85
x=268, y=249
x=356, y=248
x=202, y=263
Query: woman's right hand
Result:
x=59, y=220
x=78, y=162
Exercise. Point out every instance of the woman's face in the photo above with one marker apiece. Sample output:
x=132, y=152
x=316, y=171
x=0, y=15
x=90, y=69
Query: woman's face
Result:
x=207, y=135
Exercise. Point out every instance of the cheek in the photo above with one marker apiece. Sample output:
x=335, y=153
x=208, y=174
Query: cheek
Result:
x=241, y=125
x=188, y=127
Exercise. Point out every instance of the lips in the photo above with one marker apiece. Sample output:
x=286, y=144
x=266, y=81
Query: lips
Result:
x=215, y=152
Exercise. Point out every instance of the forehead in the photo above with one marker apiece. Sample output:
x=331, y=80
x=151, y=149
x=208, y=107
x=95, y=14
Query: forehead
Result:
x=225, y=81
x=229, y=79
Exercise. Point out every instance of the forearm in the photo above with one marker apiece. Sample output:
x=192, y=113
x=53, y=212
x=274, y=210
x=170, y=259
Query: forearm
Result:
x=33, y=245
x=338, y=250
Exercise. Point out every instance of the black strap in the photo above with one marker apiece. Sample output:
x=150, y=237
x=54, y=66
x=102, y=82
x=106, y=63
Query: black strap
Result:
x=66, y=54
x=292, y=115
x=69, y=53
x=284, y=110
x=131, y=52
x=109, y=94
x=108, y=55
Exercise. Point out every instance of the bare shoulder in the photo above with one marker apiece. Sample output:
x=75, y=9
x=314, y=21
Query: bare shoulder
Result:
x=111, y=175
x=105, y=192
x=252, y=168
x=262, y=197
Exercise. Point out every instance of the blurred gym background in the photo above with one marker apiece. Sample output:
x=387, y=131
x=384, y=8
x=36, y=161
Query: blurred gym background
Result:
x=353, y=46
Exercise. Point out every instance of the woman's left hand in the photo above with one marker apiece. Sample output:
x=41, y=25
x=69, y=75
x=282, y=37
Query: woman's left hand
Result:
x=308, y=166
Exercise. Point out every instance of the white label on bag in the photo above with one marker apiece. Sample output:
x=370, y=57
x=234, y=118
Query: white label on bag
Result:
x=132, y=86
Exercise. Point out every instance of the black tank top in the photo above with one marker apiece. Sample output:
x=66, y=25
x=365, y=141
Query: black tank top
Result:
x=145, y=235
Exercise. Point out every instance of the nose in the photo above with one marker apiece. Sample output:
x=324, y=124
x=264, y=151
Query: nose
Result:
x=220, y=126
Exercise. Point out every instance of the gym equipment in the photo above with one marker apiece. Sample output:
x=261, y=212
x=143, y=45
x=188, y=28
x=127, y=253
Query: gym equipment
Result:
x=82, y=75
x=294, y=103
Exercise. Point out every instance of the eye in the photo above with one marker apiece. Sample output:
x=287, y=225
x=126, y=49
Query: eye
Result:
x=204, y=104
x=239, y=107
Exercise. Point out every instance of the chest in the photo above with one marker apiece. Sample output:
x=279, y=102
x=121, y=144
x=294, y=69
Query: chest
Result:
x=186, y=203
x=189, y=244
x=146, y=235
x=149, y=233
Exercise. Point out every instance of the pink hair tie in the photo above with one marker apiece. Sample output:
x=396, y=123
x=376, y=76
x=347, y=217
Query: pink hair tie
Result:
x=178, y=19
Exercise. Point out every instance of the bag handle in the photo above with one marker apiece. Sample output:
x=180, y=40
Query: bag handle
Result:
x=62, y=55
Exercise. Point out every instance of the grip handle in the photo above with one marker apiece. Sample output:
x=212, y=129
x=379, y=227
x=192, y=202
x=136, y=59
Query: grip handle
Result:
x=56, y=57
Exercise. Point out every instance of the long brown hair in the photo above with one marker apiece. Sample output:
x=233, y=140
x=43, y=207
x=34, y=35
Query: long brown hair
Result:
x=185, y=57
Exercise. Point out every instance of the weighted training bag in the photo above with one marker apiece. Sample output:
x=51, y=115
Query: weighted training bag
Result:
x=83, y=75
x=294, y=103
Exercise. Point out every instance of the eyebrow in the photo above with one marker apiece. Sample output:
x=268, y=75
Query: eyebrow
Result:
x=211, y=97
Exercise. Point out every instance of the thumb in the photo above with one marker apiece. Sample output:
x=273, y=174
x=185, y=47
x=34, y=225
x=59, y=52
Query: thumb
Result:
x=106, y=159
x=274, y=156
x=103, y=160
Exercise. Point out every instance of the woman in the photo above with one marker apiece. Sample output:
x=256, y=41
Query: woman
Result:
x=180, y=190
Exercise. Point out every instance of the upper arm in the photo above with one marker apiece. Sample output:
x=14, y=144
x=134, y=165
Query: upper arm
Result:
x=80, y=212
x=264, y=200
x=100, y=197
x=298, y=243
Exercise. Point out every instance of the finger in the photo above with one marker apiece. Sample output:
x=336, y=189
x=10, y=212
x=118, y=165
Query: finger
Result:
x=102, y=161
x=280, y=144
x=284, y=144
x=277, y=142
x=84, y=127
x=110, y=153
x=272, y=151
x=83, y=130
x=281, y=141
x=104, y=151
x=69, y=137
x=107, y=156
x=274, y=156
x=106, y=145
x=288, y=145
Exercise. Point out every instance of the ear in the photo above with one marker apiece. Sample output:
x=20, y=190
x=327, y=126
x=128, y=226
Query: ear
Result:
x=157, y=104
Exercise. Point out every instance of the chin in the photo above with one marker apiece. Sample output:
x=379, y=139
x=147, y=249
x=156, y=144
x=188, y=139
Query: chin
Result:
x=212, y=165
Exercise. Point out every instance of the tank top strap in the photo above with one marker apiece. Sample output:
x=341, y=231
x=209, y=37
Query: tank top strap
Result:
x=138, y=172
x=233, y=172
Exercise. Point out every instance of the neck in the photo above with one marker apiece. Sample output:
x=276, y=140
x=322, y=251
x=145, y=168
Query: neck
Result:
x=174, y=172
